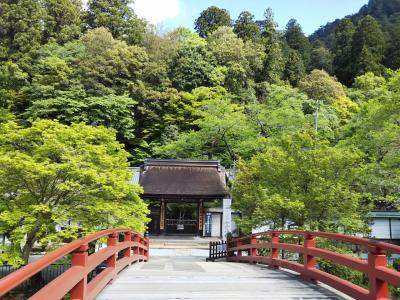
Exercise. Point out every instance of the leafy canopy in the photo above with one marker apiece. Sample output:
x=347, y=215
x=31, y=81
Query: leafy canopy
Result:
x=52, y=173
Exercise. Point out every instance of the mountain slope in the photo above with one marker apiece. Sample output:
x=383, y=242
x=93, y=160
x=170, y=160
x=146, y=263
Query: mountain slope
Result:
x=387, y=12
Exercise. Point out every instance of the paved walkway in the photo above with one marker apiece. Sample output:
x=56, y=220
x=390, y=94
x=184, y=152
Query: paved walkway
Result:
x=192, y=278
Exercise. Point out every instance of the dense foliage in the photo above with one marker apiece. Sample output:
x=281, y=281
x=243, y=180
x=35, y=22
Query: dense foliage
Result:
x=311, y=125
x=52, y=174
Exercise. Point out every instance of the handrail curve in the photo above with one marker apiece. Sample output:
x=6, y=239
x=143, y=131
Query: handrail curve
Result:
x=375, y=267
x=135, y=248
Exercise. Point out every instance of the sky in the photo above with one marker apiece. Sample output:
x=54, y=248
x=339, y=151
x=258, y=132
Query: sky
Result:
x=311, y=14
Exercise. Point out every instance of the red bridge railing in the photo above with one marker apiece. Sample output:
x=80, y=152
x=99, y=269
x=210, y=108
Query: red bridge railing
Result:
x=134, y=248
x=247, y=249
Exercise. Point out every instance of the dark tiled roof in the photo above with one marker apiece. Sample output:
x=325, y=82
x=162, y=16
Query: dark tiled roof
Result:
x=182, y=179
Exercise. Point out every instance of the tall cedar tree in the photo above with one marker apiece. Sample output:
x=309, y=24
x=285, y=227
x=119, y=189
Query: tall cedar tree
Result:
x=246, y=27
x=392, y=59
x=20, y=29
x=342, y=50
x=321, y=58
x=296, y=39
x=294, y=69
x=368, y=47
x=274, y=62
x=210, y=19
x=63, y=20
x=118, y=17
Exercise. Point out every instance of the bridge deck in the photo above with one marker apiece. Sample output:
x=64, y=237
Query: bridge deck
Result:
x=193, y=278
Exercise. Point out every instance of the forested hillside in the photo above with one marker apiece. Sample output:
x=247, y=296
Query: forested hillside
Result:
x=383, y=40
x=313, y=128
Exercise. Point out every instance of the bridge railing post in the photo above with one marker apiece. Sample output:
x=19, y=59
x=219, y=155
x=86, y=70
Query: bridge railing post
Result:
x=229, y=252
x=80, y=258
x=147, y=251
x=253, y=242
x=238, y=244
x=112, y=260
x=136, y=239
x=378, y=289
x=274, y=250
x=310, y=261
x=128, y=238
x=143, y=251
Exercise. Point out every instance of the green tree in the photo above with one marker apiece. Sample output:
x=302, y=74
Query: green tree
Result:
x=246, y=27
x=159, y=117
x=318, y=85
x=63, y=20
x=294, y=70
x=274, y=62
x=243, y=61
x=302, y=180
x=52, y=173
x=269, y=26
x=109, y=66
x=52, y=75
x=210, y=19
x=6, y=115
x=223, y=131
x=226, y=47
x=376, y=131
x=12, y=80
x=345, y=109
x=53, y=71
x=321, y=59
x=392, y=56
x=296, y=40
x=279, y=110
x=69, y=107
x=118, y=17
x=342, y=50
x=21, y=29
x=368, y=47
x=190, y=68
x=367, y=87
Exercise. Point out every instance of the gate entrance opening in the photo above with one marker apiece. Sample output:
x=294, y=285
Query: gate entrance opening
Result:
x=181, y=218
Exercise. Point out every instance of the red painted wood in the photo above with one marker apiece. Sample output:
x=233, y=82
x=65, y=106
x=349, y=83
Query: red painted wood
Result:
x=378, y=287
x=239, y=246
x=253, y=242
x=80, y=259
x=348, y=261
x=291, y=247
x=60, y=286
x=74, y=280
x=11, y=281
x=310, y=261
x=99, y=282
x=375, y=268
x=340, y=284
x=274, y=250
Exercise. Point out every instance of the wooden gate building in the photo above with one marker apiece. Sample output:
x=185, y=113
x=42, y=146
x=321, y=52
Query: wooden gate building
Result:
x=178, y=191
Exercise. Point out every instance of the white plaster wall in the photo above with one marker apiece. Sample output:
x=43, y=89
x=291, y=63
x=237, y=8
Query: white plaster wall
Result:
x=380, y=228
x=396, y=228
x=216, y=225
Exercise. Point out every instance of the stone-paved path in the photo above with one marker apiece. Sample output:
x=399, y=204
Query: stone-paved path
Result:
x=187, y=278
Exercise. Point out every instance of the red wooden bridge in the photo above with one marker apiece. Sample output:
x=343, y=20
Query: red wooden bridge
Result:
x=133, y=248
x=261, y=248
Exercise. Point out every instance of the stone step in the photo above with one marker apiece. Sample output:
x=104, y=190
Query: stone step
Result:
x=162, y=252
x=181, y=243
x=169, y=245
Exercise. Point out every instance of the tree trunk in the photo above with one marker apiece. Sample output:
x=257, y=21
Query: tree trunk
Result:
x=30, y=241
x=26, y=250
